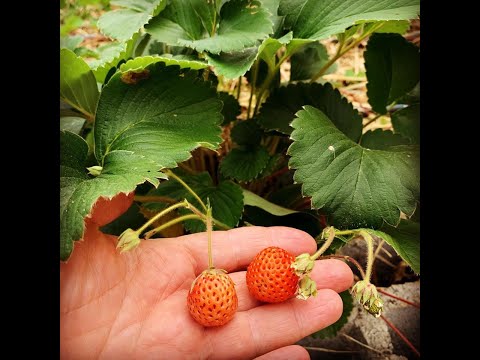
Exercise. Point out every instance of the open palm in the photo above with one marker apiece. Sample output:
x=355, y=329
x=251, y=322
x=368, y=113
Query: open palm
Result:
x=133, y=305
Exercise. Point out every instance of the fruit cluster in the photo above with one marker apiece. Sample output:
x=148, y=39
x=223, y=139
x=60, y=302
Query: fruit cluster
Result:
x=271, y=277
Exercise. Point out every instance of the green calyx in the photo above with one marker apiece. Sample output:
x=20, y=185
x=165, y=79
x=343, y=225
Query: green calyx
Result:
x=366, y=294
x=303, y=264
x=306, y=288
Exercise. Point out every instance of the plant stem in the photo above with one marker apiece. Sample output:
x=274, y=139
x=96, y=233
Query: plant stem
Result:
x=239, y=87
x=314, y=348
x=348, y=258
x=187, y=168
x=143, y=199
x=89, y=116
x=360, y=343
x=342, y=51
x=268, y=80
x=372, y=120
x=254, y=83
x=403, y=337
x=203, y=216
x=160, y=214
x=150, y=233
x=370, y=258
x=344, y=232
x=325, y=246
x=220, y=224
x=398, y=298
x=274, y=144
x=184, y=184
x=214, y=26
x=209, y=234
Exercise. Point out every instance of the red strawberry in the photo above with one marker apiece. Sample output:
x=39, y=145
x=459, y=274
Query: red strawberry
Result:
x=212, y=300
x=270, y=277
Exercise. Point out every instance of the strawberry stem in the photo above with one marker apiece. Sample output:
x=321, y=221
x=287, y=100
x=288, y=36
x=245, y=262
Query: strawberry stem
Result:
x=347, y=258
x=188, y=188
x=183, y=203
x=150, y=233
x=208, y=222
x=328, y=242
x=370, y=258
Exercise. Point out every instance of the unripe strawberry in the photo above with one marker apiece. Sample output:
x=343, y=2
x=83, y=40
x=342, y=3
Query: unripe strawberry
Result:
x=212, y=299
x=270, y=276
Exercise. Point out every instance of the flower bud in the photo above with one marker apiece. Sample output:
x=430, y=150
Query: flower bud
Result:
x=128, y=240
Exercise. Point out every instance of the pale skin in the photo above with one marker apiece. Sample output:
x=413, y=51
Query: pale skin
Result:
x=133, y=305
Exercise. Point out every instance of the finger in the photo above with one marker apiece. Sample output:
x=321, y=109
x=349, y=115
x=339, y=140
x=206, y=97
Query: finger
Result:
x=332, y=274
x=328, y=274
x=234, y=249
x=292, y=352
x=268, y=327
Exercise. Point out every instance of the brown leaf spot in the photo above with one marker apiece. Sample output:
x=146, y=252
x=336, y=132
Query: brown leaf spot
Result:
x=134, y=77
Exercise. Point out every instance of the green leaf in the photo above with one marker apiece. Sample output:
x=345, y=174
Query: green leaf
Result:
x=206, y=11
x=231, y=107
x=299, y=220
x=70, y=23
x=288, y=196
x=279, y=110
x=245, y=164
x=364, y=27
x=122, y=171
x=142, y=62
x=405, y=239
x=318, y=20
x=242, y=23
x=73, y=124
x=407, y=122
x=357, y=187
x=269, y=48
x=272, y=7
x=247, y=132
x=412, y=97
x=394, y=26
x=121, y=24
x=70, y=42
x=226, y=199
x=234, y=64
x=77, y=83
x=393, y=69
x=306, y=62
x=253, y=199
x=332, y=330
x=145, y=122
x=110, y=55
x=274, y=163
x=157, y=113
x=382, y=139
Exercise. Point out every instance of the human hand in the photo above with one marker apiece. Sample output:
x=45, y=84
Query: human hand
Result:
x=133, y=305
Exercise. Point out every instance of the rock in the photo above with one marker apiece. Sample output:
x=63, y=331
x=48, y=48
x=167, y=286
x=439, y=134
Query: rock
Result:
x=374, y=332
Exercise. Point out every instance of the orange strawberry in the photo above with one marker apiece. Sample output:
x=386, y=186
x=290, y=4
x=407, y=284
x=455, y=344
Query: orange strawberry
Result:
x=270, y=277
x=212, y=300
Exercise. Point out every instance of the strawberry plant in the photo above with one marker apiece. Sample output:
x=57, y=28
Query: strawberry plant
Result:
x=156, y=114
